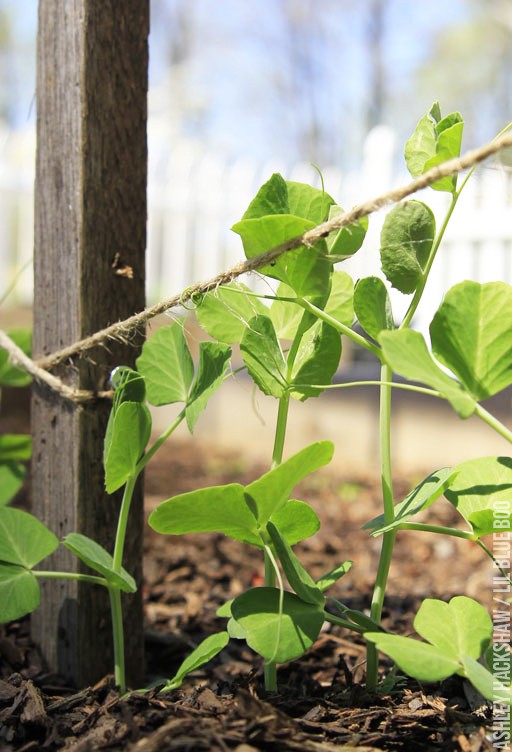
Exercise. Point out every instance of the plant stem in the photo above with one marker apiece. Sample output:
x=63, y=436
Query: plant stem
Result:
x=342, y=328
x=493, y=422
x=92, y=579
x=388, y=542
x=343, y=623
x=118, y=637
x=270, y=669
x=122, y=522
x=141, y=464
x=437, y=529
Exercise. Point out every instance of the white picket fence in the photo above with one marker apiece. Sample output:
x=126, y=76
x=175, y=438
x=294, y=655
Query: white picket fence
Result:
x=194, y=196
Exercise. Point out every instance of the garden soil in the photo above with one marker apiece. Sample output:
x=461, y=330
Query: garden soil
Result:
x=321, y=705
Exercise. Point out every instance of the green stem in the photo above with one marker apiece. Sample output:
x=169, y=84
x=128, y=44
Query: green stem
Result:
x=158, y=443
x=388, y=542
x=343, y=623
x=92, y=579
x=441, y=529
x=342, y=328
x=118, y=637
x=493, y=422
x=500, y=569
x=122, y=526
x=270, y=668
x=456, y=534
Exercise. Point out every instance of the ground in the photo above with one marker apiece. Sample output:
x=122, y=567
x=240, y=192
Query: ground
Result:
x=321, y=704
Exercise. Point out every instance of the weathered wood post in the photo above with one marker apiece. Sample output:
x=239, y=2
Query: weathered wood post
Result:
x=92, y=68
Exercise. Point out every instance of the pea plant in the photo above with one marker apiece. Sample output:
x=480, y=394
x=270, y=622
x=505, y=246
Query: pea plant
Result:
x=291, y=349
x=25, y=541
x=290, y=340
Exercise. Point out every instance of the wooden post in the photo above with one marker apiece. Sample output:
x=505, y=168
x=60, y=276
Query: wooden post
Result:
x=90, y=205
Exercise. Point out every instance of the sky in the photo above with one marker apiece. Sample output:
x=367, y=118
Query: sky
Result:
x=239, y=50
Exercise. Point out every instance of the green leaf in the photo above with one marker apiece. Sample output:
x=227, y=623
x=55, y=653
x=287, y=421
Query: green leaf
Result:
x=308, y=202
x=406, y=352
x=316, y=361
x=224, y=313
x=215, y=509
x=346, y=241
x=272, y=198
x=340, y=304
x=23, y=539
x=130, y=433
x=487, y=684
x=331, y=577
x=372, y=306
x=298, y=577
x=204, y=652
x=421, y=146
x=459, y=629
x=471, y=334
x=278, y=637
x=9, y=374
x=418, y=659
x=263, y=356
x=166, y=365
x=15, y=447
x=305, y=270
x=271, y=491
x=420, y=498
x=128, y=385
x=95, y=556
x=406, y=240
x=285, y=316
x=224, y=508
x=213, y=362
x=434, y=141
x=481, y=491
x=296, y=521
x=19, y=592
x=11, y=480
x=448, y=146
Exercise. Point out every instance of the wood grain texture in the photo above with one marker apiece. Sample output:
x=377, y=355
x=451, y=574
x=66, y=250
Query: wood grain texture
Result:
x=91, y=173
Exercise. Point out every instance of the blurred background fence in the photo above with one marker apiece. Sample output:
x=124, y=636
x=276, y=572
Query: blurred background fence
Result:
x=196, y=195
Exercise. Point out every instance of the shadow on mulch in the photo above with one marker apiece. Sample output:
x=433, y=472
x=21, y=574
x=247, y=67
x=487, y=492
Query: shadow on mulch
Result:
x=322, y=704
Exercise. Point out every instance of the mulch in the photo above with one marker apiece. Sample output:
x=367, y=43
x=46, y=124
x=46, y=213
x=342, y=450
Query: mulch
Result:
x=321, y=704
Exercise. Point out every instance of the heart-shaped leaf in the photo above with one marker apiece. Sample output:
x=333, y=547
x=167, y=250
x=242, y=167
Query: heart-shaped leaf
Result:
x=406, y=240
x=24, y=540
x=472, y=335
x=372, y=306
x=19, y=592
x=481, y=491
x=457, y=630
x=130, y=433
x=166, y=365
x=278, y=636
